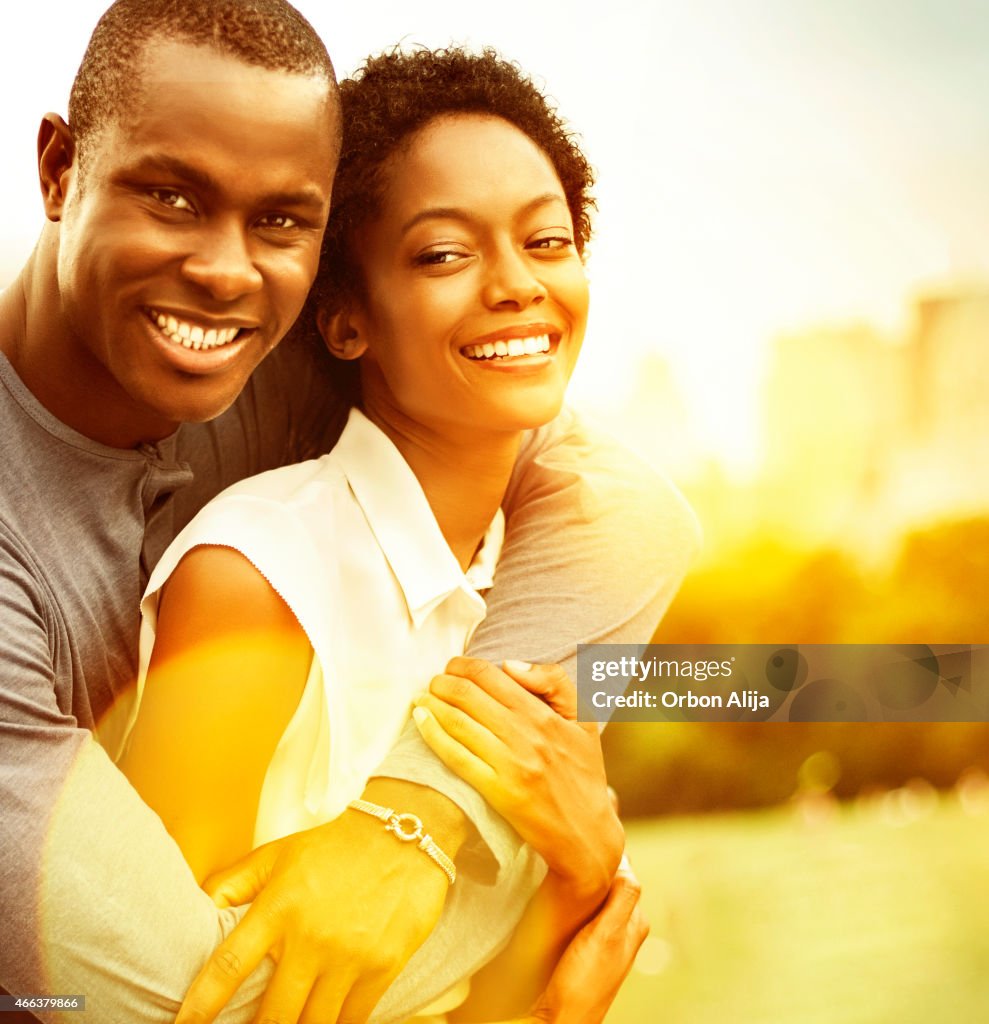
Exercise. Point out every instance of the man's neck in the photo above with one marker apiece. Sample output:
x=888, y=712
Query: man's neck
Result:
x=13, y=315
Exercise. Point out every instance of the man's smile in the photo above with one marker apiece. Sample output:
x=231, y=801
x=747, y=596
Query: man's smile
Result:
x=190, y=334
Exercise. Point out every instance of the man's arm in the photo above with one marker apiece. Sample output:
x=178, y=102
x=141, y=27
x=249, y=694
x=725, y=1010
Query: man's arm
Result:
x=597, y=545
x=97, y=898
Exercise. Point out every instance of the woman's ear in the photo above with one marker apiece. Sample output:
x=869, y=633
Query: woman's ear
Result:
x=342, y=333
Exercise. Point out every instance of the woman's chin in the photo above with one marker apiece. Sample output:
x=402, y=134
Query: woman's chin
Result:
x=527, y=413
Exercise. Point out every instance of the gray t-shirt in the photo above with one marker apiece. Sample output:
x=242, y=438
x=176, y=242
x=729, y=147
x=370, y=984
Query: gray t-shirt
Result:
x=95, y=895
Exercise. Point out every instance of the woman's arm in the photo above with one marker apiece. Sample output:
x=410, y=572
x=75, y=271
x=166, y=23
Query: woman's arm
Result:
x=227, y=672
x=544, y=772
x=228, y=668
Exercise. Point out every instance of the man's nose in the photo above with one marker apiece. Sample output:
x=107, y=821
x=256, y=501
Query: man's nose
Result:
x=511, y=282
x=222, y=263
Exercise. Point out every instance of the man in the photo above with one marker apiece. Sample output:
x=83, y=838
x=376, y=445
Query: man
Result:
x=185, y=202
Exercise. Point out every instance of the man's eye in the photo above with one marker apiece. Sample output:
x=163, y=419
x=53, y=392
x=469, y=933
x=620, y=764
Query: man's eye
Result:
x=168, y=197
x=278, y=220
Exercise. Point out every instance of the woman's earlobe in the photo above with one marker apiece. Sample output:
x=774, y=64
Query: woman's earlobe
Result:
x=342, y=337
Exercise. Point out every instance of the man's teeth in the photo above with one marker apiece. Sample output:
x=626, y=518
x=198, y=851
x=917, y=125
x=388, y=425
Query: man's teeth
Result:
x=508, y=348
x=192, y=335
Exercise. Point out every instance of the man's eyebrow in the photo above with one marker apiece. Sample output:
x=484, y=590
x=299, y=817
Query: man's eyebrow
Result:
x=458, y=213
x=203, y=180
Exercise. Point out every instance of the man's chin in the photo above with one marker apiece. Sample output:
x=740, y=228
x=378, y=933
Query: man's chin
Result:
x=196, y=408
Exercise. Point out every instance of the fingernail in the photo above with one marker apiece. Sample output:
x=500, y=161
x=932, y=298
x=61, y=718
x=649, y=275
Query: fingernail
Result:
x=421, y=715
x=420, y=697
x=518, y=666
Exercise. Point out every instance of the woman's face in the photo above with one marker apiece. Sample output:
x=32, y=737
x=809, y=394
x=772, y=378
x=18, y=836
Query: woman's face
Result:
x=475, y=298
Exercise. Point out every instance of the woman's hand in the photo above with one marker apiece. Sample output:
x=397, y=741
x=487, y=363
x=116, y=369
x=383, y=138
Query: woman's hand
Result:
x=596, y=962
x=513, y=735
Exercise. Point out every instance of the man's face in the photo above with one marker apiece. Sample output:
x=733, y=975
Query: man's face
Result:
x=191, y=236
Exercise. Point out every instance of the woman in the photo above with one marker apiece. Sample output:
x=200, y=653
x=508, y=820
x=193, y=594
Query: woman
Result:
x=453, y=294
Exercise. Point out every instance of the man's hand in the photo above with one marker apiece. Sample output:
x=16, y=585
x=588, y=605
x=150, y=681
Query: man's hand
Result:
x=512, y=735
x=340, y=908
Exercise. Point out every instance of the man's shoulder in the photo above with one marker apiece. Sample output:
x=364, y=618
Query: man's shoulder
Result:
x=286, y=413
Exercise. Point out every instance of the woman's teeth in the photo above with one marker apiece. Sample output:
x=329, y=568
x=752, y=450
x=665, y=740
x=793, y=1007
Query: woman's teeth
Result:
x=508, y=348
x=192, y=335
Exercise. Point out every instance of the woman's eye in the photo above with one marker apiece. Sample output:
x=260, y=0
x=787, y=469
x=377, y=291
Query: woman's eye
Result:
x=168, y=197
x=551, y=243
x=439, y=257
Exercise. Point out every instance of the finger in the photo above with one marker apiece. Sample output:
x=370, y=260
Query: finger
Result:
x=227, y=968
x=498, y=684
x=325, y=999
x=459, y=759
x=473, y=700
x=360, y=1000
x=638, y=930
x=241, y=882
x=627, y=874
x=285, y=998
x=621, y=904
x=639, y=927
x=615, y=805
x=473, y=735
x=548, y=682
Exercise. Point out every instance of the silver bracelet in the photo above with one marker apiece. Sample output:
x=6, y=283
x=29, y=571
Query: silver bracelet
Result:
x=408, y=829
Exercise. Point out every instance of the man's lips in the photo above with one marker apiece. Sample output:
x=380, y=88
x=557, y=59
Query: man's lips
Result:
x=201, y=335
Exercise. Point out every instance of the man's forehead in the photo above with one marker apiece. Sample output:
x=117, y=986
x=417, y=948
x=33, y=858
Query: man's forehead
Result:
x=176, y=62
x=171, y=72
x=220, y=119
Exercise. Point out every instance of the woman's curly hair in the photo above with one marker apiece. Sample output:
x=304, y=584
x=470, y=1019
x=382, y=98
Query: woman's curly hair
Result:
x=395, y=95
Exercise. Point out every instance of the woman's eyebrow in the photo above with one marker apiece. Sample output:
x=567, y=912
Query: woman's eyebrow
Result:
x=459, y=213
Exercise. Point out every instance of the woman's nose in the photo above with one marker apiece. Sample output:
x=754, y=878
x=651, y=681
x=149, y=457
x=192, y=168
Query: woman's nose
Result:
x=511, y=281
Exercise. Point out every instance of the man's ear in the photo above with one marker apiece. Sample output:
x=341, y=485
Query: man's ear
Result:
x=56, y=163
x=342, y=333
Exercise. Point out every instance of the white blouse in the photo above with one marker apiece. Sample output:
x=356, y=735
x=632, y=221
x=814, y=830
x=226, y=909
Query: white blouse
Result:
x=351, y=545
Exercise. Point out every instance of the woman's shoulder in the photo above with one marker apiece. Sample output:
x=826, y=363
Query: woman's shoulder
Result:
x=278, y=521
x=286, y=485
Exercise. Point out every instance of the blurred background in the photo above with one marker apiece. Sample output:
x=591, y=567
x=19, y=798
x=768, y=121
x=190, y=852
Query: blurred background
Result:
x=790, y=282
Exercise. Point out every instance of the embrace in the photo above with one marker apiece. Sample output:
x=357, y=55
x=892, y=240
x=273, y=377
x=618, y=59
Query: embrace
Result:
x=297, y=543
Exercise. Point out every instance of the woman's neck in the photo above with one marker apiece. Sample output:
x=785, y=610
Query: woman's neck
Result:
x=463, y=474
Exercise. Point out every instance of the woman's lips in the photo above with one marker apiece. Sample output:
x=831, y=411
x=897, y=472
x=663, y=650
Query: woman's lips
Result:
x=508, y=348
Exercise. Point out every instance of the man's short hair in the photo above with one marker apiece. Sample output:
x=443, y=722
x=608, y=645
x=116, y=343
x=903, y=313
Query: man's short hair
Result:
x=270, y=34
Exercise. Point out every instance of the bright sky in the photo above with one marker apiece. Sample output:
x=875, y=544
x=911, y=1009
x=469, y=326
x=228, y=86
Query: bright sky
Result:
x=762, y=164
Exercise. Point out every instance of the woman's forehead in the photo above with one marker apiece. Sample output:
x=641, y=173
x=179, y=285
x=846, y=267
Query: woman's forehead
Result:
x=467, y=159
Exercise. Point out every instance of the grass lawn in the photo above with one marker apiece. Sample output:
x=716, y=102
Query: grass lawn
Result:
x=875, y=912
